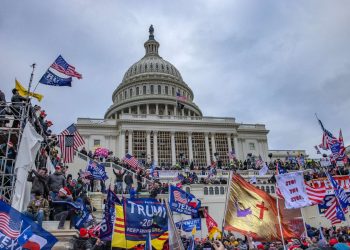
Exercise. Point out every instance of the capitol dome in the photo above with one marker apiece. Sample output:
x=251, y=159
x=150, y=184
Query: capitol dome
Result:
x=150, y=86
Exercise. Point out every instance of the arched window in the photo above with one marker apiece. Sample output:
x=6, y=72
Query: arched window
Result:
x=211, y=190
x=217, y=190
x=166, y=90
x=130, y=93
x=159, y=89
x=152, y=89
x=137, y=90
x=125, y=94
x=144, y=90
x=272, y=189
x=205, y=191
x=267, y=189
x=173, y=91
x=222, y=190
x=262, y=188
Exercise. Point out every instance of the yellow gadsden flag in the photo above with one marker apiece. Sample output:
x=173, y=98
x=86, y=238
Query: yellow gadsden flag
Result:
x=118, y=237
x=23, y=92
x=253, y=212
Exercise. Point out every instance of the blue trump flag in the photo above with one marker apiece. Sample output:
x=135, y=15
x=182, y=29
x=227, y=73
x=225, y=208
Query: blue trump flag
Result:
x=60, y=73
x=108, y=217
x=143, y=216
x=187, y=225
x=97, y=171
x=339, y=193
x=183, y=202
x=18, y=230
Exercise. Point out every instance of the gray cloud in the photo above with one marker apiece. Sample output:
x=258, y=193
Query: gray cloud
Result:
x=272, y=62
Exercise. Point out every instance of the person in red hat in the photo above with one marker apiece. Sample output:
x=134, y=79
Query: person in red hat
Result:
x=84, y=241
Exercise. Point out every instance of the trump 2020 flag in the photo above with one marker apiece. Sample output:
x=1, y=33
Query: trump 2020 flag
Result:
x=60, y=73
x=108, y=217
x=183, y=202
x=17, y=230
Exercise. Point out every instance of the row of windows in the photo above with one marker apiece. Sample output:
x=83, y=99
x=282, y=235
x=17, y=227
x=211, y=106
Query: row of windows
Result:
x=214, y=190
x=151, y=89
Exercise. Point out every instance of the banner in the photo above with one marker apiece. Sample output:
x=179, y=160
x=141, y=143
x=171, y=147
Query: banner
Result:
x=143, y=216
x=97, y=171
x=17, y=231
x=119, y=238
x=292, y=188
x=188, y=225
x=342, y=180
x=183, y=202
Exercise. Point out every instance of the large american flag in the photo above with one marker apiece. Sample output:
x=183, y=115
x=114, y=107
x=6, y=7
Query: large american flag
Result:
x=63, y=67
x=180, y=197
x=9, y=227
x=180, y=97
x=131, y=161
x=259, y=162
x=78, y=139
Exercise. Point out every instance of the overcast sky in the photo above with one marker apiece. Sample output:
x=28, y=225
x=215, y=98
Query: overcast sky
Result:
x=270, y=62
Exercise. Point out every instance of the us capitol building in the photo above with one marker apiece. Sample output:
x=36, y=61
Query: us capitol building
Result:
x=146, y=121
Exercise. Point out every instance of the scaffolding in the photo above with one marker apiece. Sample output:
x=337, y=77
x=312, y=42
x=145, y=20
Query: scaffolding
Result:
x=13, y=118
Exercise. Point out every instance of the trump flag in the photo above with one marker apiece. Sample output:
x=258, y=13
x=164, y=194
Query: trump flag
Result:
x=183, y=202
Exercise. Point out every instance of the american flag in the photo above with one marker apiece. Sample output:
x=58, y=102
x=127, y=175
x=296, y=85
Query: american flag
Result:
x=9, y=227
x=63, y=67
x=231, y=155
x=78, y=139
x=259, y=162
x=67, y=147
x=334, y=213
x=315, y=195
x=328, y=139
x=132, y=161
x=180, y=197
x=180, y=97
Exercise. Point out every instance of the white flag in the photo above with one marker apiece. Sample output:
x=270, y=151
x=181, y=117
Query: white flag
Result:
x=293, y=190
x=263, y=170
x=49, y=165
x=28, y=148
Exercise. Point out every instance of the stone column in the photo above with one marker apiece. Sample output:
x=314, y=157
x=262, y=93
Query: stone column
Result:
x=235, y=142
x=244, y=150
x=122, y=143
x=183, y=112
x=155, y=146
x=213, y=147
x=157, y=110
x=129, y=110
x=173, y=151
x=207, y=150
x=229, y=144
x=190, y=149
x=147, y=109
x=175, y=107
x=138, y=110
x=148, y=143
x=130, y=143
x=166, y=109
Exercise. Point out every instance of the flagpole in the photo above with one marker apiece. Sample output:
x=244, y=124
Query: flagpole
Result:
x=302, y=216
x=279, y=222
x=227, y=192
x=31, y=78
